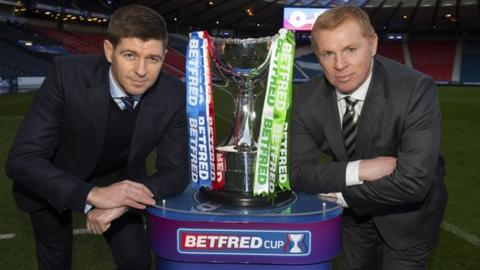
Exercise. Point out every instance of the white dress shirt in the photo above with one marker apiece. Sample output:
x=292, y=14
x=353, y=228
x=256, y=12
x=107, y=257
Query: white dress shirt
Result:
x=117, y=92
x=351, y=173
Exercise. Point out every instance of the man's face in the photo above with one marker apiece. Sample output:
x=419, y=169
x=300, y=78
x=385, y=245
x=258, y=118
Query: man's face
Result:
x=135, y=63
x=345, y=55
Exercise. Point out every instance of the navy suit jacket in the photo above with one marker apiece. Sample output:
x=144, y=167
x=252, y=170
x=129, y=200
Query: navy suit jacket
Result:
x=60, y=140
x=401, y=118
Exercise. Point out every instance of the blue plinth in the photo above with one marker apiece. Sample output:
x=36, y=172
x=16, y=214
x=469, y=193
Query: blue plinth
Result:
x=188, y=233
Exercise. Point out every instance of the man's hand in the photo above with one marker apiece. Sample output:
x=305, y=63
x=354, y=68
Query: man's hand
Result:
x=125, y=193
x=331, y=197
x=99, y=220
x=376, y=168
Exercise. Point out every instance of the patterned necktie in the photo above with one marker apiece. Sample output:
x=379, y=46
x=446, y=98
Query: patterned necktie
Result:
x=128, y=101
x=349, y=126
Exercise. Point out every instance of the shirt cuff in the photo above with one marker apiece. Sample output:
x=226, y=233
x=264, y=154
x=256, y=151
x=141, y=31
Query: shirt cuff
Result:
x=341, y=200
x=88, y=207
x=351, y=173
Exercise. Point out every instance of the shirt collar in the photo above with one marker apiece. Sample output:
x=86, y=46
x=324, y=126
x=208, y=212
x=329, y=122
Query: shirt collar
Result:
x=116, y=91
x=361, y=91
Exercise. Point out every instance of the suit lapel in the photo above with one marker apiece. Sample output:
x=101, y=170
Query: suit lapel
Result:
x=147, y=111
x=99, y=99
x=332, y=128
x=371, y=110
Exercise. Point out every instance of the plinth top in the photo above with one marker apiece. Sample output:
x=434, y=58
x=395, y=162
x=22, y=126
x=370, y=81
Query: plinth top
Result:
x=301, y=208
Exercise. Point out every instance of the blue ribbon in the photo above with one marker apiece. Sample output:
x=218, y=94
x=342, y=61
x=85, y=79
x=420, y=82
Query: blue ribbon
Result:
x=201, y=163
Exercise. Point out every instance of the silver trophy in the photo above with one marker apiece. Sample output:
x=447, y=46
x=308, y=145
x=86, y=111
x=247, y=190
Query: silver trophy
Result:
x=241, y=69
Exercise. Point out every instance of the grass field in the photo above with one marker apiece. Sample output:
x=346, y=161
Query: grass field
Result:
x=459, y=246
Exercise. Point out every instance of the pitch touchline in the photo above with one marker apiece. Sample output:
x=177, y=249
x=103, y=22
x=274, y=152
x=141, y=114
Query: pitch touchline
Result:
x=80, y=231
x=7, y=236
x=473, y=239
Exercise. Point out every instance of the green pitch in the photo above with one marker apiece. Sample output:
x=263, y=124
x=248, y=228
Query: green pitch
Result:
x=460, y=235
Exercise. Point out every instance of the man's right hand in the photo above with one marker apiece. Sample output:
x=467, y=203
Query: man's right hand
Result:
x=125, y=193
x=376, y=168
x=99, y=220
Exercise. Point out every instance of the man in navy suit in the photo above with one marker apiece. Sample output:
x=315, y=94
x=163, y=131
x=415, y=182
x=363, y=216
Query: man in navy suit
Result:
x=83, y=144
x=379, y=122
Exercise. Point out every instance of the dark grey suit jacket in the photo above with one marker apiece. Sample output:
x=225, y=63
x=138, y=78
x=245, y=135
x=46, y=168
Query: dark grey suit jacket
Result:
x=60, y=140
x=401, y=118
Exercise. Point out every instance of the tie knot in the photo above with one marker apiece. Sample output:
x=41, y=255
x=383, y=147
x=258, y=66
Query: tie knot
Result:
x=351, y=102
x=129, y=103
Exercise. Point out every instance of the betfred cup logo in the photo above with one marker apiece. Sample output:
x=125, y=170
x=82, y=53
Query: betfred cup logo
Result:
x=294, y=239
x=243, y=242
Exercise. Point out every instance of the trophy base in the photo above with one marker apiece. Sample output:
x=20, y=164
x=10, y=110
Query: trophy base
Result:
x=242, y=199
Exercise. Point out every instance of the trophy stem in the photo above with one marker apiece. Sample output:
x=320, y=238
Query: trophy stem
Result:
x=243, y=134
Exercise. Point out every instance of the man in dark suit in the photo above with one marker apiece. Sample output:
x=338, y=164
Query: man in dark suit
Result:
x=379, y=121
x=83, y=144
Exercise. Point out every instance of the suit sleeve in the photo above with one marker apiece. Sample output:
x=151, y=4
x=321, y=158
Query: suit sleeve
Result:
x=417, y=157
x=171, y=163
x=29, y=163
x=308, y=174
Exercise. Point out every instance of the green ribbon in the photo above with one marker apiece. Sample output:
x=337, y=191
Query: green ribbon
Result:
x=271, y=168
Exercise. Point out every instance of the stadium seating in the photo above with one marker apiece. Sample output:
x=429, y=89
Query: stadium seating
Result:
x=17, y=32
x=434, y=58
x=392, y=50
x=174, y=63
x=95, y=40
x=17, y=60
x=178, y=42
x=470, y=62
x=70, y=42
x=9, y=72
x=307, y=63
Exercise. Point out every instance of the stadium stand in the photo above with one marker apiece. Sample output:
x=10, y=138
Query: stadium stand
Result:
x=306, y=62
x=17, y=59
x=174, y=63
x=470, y=62
x=72, y=43
x=95, y=40
x=9, y=72
x=16, y=32
x=392, y=50
x=434, y=58
x=178, y=42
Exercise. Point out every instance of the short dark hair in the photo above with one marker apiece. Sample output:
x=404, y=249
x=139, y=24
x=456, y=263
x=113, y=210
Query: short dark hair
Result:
x=137, y=21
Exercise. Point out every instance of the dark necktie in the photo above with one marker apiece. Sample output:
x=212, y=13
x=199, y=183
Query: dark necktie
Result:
x=128, y=101
x=349, y=126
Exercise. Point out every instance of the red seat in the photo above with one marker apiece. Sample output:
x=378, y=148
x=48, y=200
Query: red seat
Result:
x=392, y=50
x=433, y=58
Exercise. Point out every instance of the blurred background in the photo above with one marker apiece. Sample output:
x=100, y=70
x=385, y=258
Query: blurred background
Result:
x=440, y=38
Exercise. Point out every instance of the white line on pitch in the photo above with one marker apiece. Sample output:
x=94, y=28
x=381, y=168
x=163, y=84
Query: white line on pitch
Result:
x=7, y=236
x=12, y=235
x=471, y=238
x=80, y=231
